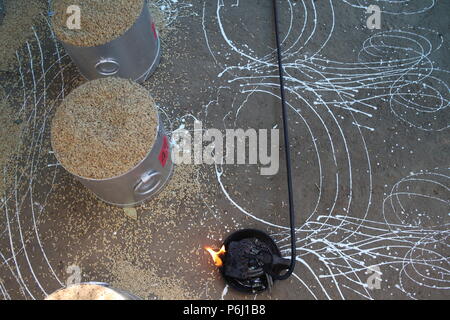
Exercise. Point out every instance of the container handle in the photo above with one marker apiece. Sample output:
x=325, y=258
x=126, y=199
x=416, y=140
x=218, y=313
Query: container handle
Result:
x=107, y=67
x=148, y=183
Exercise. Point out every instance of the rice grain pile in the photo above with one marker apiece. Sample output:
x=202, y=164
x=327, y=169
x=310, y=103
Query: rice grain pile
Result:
x=101, y=21
x=85, y=292
x=104, y=128
x=17, y=28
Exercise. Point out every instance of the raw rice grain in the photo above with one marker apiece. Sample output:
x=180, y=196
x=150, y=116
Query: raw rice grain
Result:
x=104, y=128
x=101, y=20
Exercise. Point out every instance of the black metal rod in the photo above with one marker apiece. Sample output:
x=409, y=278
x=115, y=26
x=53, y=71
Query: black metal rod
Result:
x=287, y=150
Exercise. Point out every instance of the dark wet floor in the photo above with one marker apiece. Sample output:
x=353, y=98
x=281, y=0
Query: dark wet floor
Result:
x=369, y=121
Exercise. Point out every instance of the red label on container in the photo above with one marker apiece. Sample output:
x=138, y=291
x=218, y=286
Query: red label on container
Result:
x=154, y=31
x=164, y=154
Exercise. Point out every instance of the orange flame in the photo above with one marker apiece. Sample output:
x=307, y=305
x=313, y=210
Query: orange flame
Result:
x=216, y=255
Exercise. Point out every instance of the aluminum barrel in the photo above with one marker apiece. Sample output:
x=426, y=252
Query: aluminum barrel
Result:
x=134, y=55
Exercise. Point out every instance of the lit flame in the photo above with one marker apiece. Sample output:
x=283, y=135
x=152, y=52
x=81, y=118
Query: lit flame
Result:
x=216, y=255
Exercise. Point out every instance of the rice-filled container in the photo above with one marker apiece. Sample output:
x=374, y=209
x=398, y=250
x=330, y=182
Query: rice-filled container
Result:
x=113, y=37
x=91, y=291
x=108, y=134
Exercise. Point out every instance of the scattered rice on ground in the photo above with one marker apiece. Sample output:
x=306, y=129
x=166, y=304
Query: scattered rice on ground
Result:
x=104, y=128
x=17, y=28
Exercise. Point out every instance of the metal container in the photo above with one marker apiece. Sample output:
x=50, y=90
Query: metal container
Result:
x=119, y=294
x=134, y=55
x=140, y=183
